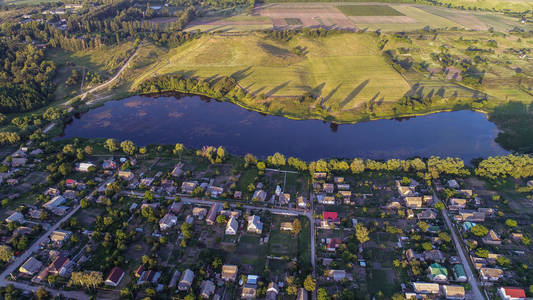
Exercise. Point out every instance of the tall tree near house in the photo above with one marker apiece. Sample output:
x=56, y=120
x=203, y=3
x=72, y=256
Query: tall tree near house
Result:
x=361, y=233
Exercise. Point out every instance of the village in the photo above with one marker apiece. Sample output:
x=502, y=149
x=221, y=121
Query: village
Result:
x=208, y=225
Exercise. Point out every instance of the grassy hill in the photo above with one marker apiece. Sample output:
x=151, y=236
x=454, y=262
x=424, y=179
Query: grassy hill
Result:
x=342, y=71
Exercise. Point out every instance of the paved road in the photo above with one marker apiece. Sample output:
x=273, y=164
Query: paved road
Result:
x=34, y=248
x=471, y=278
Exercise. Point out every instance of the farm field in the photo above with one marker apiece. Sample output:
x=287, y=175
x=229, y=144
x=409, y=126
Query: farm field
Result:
x=344, y=70
x=386, y=17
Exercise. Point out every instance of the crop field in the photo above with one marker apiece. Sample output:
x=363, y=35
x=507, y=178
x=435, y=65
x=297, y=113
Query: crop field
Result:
x=368, y=10
x=342, y=70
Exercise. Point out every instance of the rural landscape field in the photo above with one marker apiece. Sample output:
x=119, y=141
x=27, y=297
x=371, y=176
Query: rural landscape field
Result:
x=266, y=149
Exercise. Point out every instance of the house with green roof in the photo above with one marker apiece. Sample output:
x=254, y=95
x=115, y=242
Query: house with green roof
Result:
x=459, y=272
x=437, y=272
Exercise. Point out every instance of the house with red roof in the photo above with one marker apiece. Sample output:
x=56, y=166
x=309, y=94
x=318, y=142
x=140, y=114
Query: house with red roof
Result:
x=330, y=216
x=114, y=277
x=332, y=244
x=511, y=293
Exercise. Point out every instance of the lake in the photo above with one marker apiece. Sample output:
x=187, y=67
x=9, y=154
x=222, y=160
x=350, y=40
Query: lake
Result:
x=196, y=122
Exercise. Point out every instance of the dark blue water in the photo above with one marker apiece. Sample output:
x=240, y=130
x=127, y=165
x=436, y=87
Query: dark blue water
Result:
x=196, y=123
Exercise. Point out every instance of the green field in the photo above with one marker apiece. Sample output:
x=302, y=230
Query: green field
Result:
x=342, y=70
x=368, y=10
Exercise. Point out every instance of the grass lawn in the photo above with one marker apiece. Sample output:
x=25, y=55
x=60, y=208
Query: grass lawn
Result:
x=304, y=243
x=368, y=10
x=293, y=21
x=249, y=252
x=282, y=243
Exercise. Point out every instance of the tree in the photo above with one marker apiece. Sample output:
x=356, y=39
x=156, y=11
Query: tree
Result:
x=484, y=253
x=149, y=196
x=261, y=166
x=445, y=237
x=186, y=230
x=178, y=149
x=296, y=227
x=42, y=294
x=427, y=246
x=322, y=294
x=277, y=159
x=423, y=226
x=111, y=145
x=357, y=166
x=89, y=279
x=479, y=230
x=128, y=147
x=439, y=206
x=361, y=233
x=221, y=219
x=503, y=261
x=5, y=253
x=249, y=159
x=309, y=283
x=511, y=223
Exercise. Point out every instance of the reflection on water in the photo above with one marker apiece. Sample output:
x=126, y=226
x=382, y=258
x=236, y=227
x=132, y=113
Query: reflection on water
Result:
x=196, y=122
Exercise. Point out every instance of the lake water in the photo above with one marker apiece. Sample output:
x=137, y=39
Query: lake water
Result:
x=196, y=122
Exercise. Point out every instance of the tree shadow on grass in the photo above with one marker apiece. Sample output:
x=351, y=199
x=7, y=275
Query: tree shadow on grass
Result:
x=242, y=74
x=354, y=93
x=277, y=89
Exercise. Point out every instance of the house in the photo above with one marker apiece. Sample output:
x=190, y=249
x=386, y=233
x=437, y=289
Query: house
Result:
x=139, y=271
x=186, y=280
x=188, y=187
x=427, y=199
x=517, y=236
x=286, y=226
x=453, y=292
x=410, y=254
x=212, y=215
x=237, y=195
x=434, y=255
x=84, y=167
x=278, y=190
x=336, y=275
x=15, y=217
x=343, y=186
x=459, y=272
x=114, y=277
x=175, y=207
x=249, y=291
x=426, y=288
x=207, y=288
x=147, y=181
x=405, y=191
x=199, y=212
x=167, y=221
x=472, y=216
x=259, y=195
x=492, y=238
x=54, y=203
x=254, y=224
x=302, y=202
x=457, y=203
x=58, y=266
x=328, y=200
x=409, y=213
x=332, y=244
x=125, y=175
x=285, y=198
x=331, y=217
x=320, y=175
x=232, y=226
x=35, y=213
x=490, y=274
x=338, y=180
x=229, y=272
x=18, y=162
x=427, y=214
x=149, y=276
x=31, y=266
x=302, y=294
x=453, y=184
x=328, y=188
x=69, y=194
x=215, y=191
x=177, y=171
x=272, y=291
x=59, y=237
x=437, y=273
x=413, y=202
x=511, y=293
x=109, y=164
x=52, y=192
